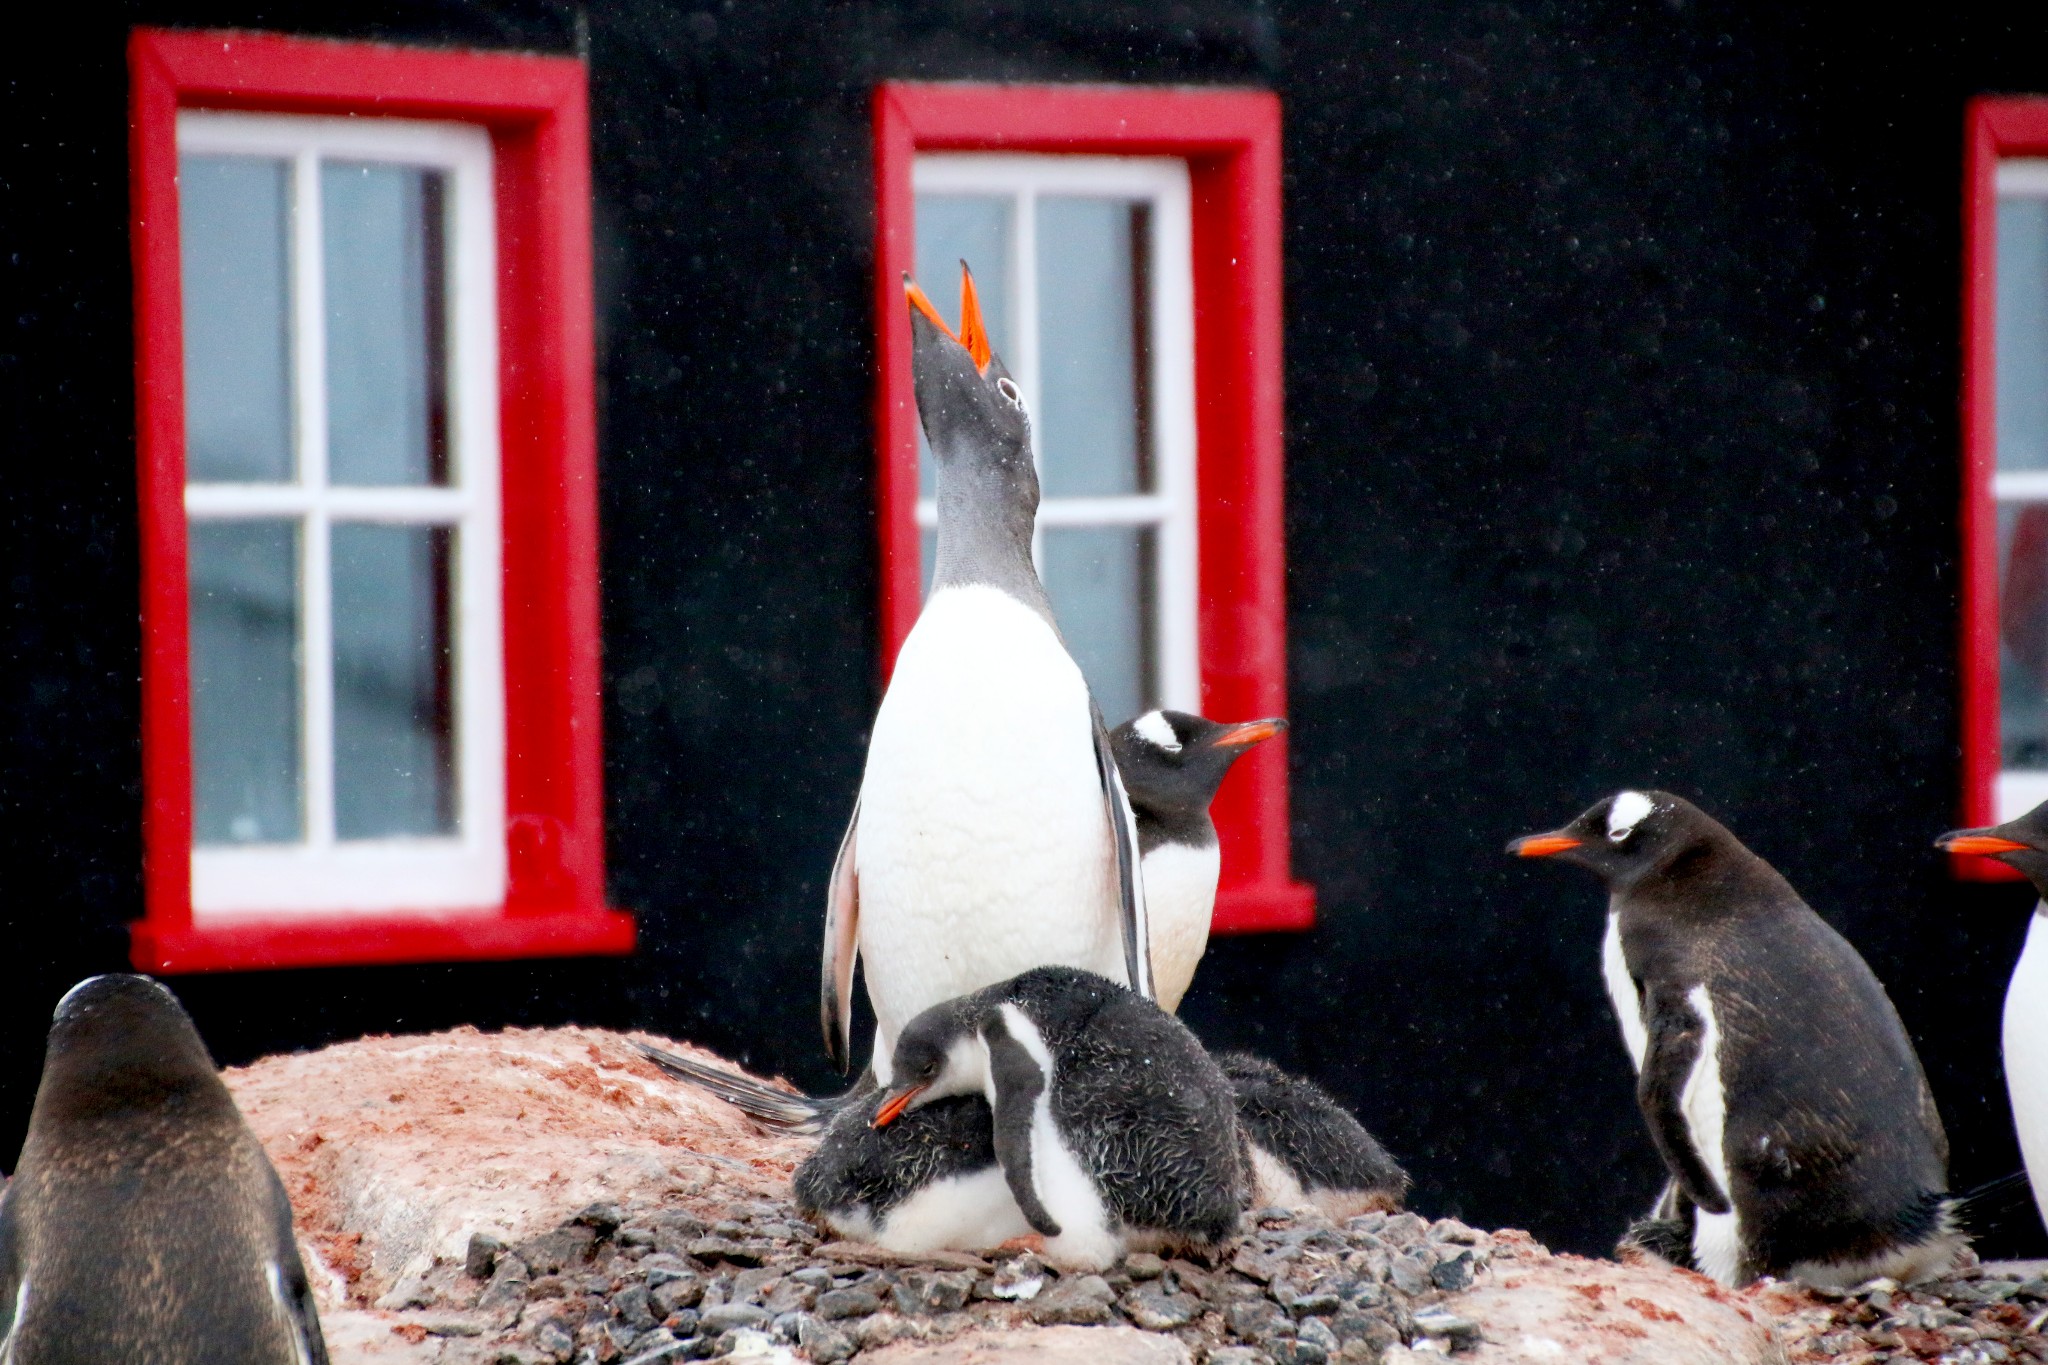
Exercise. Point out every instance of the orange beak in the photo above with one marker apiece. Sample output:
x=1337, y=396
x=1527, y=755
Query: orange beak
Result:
x=1980, y=845
x=1250, y=733
x=1542, y=845
x=893, y=1107
x=973, y=333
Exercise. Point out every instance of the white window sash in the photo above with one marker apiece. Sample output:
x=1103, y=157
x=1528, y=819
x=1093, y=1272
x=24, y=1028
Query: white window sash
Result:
x=1171, y=507
x=326, y=874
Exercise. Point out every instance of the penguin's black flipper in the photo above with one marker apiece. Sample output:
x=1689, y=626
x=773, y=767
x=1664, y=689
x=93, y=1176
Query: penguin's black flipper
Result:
x=10, y=1276
x=1675, y=1032
x=1123, y=824
x=842, y=949
x=777, y=1109
x=290, y=1288
x=1018, y=1080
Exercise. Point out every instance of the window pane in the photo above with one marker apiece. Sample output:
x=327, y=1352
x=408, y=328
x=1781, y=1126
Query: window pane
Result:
x=394, y=666
x=234, y=272
x=928, y=557
x=974, y=228
x=1100, y=581
x=244, y=578
x=2022, y=333
x=387, y=414
x=1092, y=311
x=2023, y=634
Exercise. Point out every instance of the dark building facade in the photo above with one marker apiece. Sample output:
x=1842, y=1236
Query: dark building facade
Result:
x=1622, y=368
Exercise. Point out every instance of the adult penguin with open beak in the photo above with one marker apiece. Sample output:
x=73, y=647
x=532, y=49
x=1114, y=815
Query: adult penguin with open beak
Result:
x=992, y=833
x=2022, y=845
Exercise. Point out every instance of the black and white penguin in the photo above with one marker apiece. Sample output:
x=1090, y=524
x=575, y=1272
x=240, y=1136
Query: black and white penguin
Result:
x=927, y=1181
x=1306, y=1149
x=2022, y=844
x=1114, y=1129
x=992, y=833
x=144, y=1221
x=1172, y=763
x=1777, y=1081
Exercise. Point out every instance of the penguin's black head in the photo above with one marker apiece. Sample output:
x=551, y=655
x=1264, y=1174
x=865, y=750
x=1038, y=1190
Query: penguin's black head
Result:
x=121, y=1042
x=972, y=410
x=1172, y=762
x=936, y=1056
x=1626, y=837
x=2020, y=844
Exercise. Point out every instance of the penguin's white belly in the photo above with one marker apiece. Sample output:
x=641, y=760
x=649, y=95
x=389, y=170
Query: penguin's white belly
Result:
x=1180, y=900
x=984, y=845
x=1621, y=989
x=959, y=1213
x=1088, y=1237
x=1717, y=1237
x=2026, y=1056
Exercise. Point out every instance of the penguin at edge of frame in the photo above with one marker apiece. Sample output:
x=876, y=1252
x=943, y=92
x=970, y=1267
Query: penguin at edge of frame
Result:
x=1306, y=1149
x=145, y=1221
x=1777, y=1082
x=1114, y=1129
x=992, y=833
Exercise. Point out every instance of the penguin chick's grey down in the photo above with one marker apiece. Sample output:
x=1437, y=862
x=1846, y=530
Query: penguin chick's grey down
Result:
x=2022, y=844
x=991, y=834
x=1776, y=1080
x=1306, y=1148
x=1172, y=763
x=1113, y=1127
x=144, y=1222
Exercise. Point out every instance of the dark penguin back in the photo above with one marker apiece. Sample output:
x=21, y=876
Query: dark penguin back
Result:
x=1834, y=1146
x=1143, y=1107
x=145, y=1215
x=1299, y=1125
x=857, y=1167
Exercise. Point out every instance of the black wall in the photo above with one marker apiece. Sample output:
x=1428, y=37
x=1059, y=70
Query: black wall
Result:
x=1622, y=451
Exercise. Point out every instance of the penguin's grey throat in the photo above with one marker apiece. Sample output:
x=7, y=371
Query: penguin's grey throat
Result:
x=985, y=520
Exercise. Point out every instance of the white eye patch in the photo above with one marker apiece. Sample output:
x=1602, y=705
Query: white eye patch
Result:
x=1008, y=389
x=1153, y=728
x=1624, y=813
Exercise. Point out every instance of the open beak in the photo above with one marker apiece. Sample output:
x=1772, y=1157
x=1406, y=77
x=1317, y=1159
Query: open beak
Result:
x=893, y=1107
x=973, y=333
x=1980, y=843
x=1250, y=733
x=1542, y=845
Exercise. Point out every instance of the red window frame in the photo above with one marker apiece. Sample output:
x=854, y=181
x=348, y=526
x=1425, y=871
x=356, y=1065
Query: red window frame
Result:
x=1996, y=128
x=535, y=110
x=1230, y=140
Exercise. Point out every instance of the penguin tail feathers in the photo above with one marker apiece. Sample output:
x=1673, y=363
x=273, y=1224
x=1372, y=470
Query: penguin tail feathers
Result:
x=1990, y=1204
x=761, y=1102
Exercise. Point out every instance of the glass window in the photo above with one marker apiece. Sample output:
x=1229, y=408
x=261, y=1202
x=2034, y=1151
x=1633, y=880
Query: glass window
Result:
x=347, y=689
x=1084, y=274
x=2020, y=482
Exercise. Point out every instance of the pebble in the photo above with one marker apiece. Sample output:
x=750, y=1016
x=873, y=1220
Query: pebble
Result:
x=1019, y=1278
x=1155, y=1308
x=727, y=1316
x=1081, y=1300
x=839, y=1304
x=481, y=1258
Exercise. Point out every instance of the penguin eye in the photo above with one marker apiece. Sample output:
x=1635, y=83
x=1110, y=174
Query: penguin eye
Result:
x=1009, y=390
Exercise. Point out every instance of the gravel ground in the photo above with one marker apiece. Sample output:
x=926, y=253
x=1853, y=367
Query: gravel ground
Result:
x=601, y=1288
x=1979, y=1316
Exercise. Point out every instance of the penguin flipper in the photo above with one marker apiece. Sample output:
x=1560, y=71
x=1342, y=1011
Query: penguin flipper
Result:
x=1675, y=1039
x=1130, y=881
x=10, y=1277
x=842, y=949
x=1017, y=1081
x=764, y=1104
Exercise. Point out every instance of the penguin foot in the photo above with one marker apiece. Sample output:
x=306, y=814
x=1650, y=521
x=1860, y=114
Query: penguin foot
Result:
x=1031, y=1241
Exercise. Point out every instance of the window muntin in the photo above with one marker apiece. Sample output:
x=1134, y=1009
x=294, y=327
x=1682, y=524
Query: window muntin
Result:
x=339, y=291
x=1083, y=264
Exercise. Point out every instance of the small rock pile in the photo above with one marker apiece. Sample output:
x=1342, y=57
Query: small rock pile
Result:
x=664, y=1286
x=1983, y=1315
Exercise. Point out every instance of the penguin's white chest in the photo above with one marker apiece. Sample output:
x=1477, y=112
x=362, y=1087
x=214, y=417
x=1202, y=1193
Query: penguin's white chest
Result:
x=1180, y=900
x=2026, y=1056
x=1717, y=1237
x=1621, y=990
x=984, y=845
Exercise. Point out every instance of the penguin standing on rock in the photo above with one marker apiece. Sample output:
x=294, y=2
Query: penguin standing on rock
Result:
x=1115, y=1130
x=992, y=833
x=144, y=1221
x=1172, y=763
x=2022, y=844
x=1777, y=1081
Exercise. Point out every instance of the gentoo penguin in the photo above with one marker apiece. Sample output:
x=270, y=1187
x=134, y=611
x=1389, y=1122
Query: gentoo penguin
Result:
x=992, y=833
x=1305, y=1148
x=1114, y=1128
x=928, y=1181
x=144, y=1221
x=1171, y=763
x=1778, y=1084
x=2023, y=845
